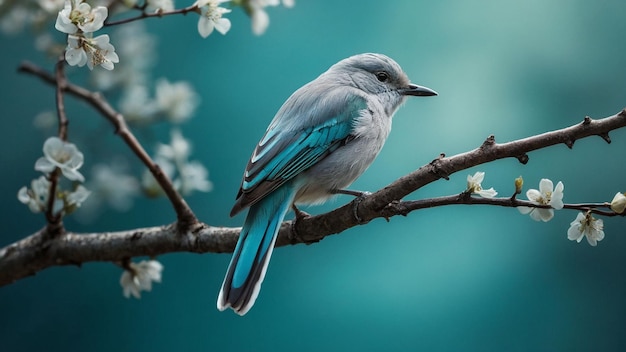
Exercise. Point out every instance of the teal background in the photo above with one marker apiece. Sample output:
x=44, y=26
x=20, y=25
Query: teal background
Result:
x=455, y=278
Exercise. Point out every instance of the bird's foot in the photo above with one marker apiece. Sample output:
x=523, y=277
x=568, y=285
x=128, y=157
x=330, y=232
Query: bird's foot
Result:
x=360, y=196
x=294, y=236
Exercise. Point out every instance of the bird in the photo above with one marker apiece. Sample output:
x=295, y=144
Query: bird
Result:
x=323, y=137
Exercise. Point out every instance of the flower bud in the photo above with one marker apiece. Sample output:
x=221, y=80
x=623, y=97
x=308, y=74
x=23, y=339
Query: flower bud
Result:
x=519, y=183
x=618, y=204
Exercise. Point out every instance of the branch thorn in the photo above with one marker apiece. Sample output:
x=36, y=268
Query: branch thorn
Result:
x=523, y=159
x=491, y=140
x=606, y=137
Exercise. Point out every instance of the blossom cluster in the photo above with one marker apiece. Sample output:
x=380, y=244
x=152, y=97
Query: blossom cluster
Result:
x=173, y=159
x=65, y=158
x=139, y=277
x=112, y=186
x=549, y=198
x=584, y=225
x=211, y=14
x=79, y=21
x=174, y=102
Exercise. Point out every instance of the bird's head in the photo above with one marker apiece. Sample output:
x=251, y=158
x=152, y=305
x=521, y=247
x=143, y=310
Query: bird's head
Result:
x=378, y=74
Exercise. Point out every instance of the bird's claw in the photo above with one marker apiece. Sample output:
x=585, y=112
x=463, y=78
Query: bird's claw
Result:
x=293, y=235
x=355, y=205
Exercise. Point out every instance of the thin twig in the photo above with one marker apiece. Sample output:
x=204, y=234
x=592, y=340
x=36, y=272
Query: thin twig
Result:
x=61, y=84
x=405, y=207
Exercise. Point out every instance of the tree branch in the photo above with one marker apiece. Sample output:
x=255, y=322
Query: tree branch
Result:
x=369, y=208
x=36, y=252
x=186, y=217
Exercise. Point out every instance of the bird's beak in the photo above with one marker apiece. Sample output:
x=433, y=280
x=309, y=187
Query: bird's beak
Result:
x=417, y=91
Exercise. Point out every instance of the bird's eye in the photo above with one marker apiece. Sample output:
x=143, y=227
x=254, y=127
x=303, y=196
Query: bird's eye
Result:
x=382, y=76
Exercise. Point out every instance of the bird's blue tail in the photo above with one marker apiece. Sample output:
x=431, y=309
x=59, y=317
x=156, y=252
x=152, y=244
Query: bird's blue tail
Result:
x=251, y=256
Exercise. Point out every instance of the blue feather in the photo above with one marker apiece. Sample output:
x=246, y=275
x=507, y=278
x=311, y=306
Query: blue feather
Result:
x=254, y=249
x=284, y=152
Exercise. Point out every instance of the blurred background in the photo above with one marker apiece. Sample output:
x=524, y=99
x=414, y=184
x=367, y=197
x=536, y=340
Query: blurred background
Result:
x=453, y=278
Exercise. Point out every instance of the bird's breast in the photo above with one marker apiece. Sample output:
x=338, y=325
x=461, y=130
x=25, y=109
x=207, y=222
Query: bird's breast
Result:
x=341, y=167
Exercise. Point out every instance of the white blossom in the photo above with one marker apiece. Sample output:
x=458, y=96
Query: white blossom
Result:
x=76, y=198
x=178, y=150
x=139, y=277
x=173, y=158
x=62, y=155
x=546, y=195
x=177, y=101
x=112, y=187
x=139, y=46
x=102, y=53
x=77, y=14
x=194, y=177
x=473, y=185
x=36, y=197
x=211, y=17
x=586, y=225
x=111, y=184
x=91, y=51
x=260, y=18
x=136, y=105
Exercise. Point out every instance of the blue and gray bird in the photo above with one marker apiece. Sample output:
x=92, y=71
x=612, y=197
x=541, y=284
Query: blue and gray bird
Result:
x=322, y=138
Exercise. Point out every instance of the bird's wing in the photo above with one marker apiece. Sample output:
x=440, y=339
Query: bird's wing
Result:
x=289, y=148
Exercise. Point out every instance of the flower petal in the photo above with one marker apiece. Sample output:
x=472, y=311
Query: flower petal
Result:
x=260, y=21
x=546, y=186
x=44, y=165
x=487, y=193
x=73, y=175
x=222, y=25
x=556, y=199
x=205, y=27
x=545, y=214
x=534, y=195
